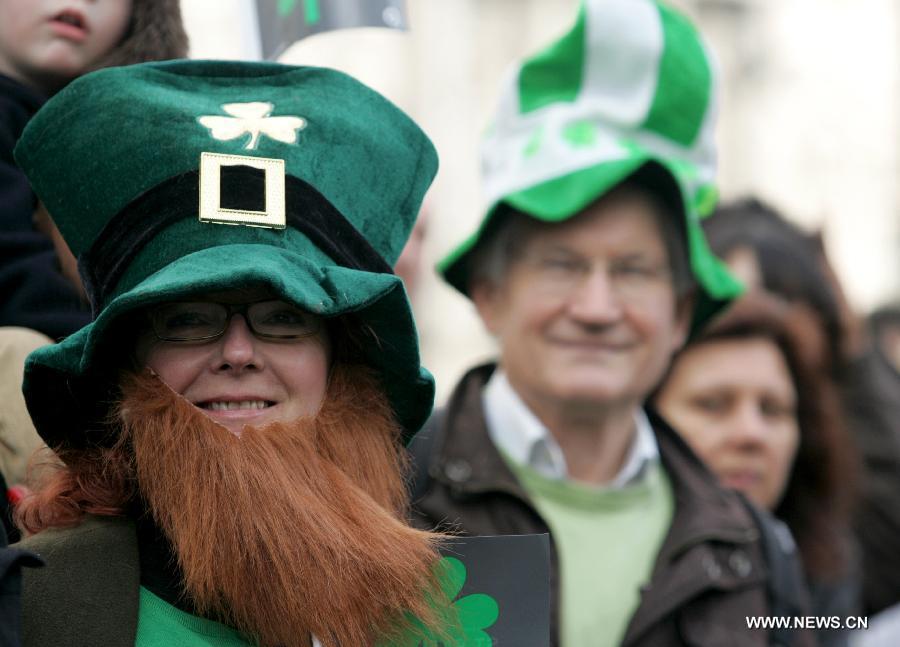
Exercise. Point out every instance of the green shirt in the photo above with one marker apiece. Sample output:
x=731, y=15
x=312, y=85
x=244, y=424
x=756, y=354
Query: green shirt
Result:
x=607, y=540
x=162, y=625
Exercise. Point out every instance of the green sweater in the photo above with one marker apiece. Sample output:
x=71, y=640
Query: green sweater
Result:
x=607, y=541
x=162, y=625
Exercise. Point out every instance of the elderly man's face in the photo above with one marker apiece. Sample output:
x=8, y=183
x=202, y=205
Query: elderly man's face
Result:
x=587, y=314
x=240, y=378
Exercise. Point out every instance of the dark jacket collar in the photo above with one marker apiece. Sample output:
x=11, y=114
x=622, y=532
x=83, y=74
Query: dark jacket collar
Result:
x=470, y=463
x=705, y=509
x=706, y=515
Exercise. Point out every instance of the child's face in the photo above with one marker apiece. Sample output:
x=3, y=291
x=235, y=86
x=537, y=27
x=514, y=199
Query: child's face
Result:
x=46, y=43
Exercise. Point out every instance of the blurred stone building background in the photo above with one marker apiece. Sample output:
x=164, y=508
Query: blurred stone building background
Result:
x=809, y=120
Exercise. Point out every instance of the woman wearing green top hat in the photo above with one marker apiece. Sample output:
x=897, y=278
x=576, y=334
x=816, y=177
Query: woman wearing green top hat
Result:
x=229, y=426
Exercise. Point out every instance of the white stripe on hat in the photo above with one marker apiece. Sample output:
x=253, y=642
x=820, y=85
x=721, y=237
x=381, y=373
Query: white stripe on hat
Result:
x=506, y=170
x=620, y=75
x=624, y=44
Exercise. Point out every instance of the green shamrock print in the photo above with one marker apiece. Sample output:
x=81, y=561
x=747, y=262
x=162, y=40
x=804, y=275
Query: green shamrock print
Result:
x=581, y=134
x=475, y=612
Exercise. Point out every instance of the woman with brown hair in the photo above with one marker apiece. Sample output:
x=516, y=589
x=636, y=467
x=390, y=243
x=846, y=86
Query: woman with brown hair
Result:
x=750, y=397
x=774, y=254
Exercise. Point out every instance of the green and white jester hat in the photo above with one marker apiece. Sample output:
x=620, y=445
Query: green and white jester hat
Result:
x=629, y=87
x=172, y=179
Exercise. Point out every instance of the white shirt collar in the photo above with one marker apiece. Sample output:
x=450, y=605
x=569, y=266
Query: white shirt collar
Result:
x=517, y=432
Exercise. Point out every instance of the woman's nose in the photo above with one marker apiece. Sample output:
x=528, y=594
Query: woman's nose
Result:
x=238, y=347
x=749, y=426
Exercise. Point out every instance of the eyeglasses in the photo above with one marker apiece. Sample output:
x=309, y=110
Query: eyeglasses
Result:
x=631, y=279
x=204, y=320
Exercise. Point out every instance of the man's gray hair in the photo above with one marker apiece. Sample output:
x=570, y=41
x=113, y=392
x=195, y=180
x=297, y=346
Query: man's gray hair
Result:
x=510, y=231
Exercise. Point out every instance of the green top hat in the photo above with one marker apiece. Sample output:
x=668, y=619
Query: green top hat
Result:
x=630, y=85
x=172, y=179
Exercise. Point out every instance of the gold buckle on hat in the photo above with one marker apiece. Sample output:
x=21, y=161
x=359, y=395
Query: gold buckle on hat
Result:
x=210, y=191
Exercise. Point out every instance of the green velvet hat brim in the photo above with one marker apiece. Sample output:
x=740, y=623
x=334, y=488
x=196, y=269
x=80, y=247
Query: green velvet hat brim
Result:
x=68, y=386
x=563, y=197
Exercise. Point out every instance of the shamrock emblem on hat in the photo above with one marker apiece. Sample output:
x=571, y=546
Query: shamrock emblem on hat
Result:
x=475, y=613
x=253, y=119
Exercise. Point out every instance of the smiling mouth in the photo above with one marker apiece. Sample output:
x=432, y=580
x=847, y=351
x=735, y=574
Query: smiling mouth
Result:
x=590, y=345
x=215, y=405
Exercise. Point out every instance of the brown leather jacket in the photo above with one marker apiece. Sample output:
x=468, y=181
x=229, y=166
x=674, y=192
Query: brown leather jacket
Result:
x=710, y=573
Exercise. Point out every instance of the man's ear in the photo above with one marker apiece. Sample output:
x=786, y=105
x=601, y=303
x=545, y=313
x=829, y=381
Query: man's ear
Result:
x=485, y=295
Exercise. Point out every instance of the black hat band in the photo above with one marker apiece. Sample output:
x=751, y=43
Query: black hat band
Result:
x=307, y=210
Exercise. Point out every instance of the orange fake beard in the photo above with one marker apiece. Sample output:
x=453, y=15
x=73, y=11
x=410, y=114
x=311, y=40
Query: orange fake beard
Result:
x=294, y=528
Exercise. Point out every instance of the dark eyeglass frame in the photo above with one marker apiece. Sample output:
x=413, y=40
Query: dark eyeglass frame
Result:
x=231, y=309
